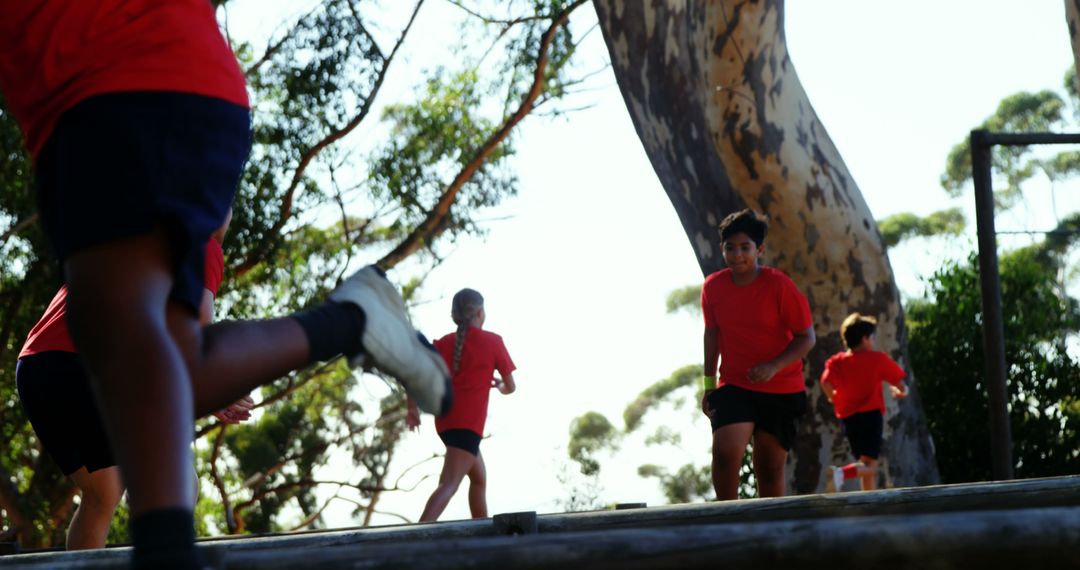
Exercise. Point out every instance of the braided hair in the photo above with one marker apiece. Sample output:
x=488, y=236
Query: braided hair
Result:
x=467, y=303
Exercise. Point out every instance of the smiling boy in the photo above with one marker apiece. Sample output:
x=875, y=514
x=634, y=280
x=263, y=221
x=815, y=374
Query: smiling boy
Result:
x=758, y=326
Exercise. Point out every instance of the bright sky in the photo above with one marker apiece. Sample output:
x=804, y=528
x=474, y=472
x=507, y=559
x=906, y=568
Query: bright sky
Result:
x=576, y=275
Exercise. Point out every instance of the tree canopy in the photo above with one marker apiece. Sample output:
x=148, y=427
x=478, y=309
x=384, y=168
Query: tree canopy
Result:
x=315, y=201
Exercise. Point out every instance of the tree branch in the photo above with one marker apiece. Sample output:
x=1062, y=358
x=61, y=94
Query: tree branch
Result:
x=436, y=220
x=286, y=210
x=19, y=226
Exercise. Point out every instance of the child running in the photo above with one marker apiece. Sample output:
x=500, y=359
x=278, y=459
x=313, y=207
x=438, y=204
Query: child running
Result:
x=473, y=356
x=137, y=118
x=852, y=383
x=758, y=325
x=56, y=395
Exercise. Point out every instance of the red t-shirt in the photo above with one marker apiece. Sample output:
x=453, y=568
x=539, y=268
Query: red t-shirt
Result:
x=755, y=324
x=54, y=54
x=857, y=377
x=51, y=332
x=482, y=354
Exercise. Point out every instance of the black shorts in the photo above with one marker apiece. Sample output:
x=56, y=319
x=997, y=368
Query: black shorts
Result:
x=55, y=392
x=777, y=414
x=466, y=439
x=863, y=431
x=122, y=164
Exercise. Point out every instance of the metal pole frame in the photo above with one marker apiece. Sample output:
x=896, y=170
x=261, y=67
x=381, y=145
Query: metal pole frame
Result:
x=982, y=143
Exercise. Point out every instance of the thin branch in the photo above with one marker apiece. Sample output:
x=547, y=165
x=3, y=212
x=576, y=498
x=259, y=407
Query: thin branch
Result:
x=439, y=214
x=489, y=20
x=272, y=48
x=286, y=211
x=219, y=483
x=308, y=520
x=19, y=226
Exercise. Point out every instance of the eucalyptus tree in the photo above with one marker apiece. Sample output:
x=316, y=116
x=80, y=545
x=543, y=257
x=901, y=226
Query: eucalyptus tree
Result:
x=719, y=108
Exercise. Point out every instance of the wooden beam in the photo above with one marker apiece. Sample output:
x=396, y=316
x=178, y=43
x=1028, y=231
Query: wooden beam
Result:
x=836, y=518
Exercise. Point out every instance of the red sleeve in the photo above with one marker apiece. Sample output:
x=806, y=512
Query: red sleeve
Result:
x=828, y=374
x=213, y=266
x=891, y=370
x=794, y=308
x=503, y=363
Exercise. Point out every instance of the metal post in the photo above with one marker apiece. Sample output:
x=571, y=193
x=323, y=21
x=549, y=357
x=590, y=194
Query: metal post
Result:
x=993, y=322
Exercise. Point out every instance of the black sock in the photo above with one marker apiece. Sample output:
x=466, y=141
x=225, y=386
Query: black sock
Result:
x=332, y=328
x=165, y=538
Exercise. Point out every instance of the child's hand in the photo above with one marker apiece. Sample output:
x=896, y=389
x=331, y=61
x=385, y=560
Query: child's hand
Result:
x=506, y=386
x=706, y=408
x=761, y=373
x=236, y=412
x=900, y=392
x=829, y=390
x=412, y=417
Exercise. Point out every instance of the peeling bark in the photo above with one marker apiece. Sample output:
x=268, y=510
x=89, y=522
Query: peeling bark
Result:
x=726, y=124
x=1072, y=18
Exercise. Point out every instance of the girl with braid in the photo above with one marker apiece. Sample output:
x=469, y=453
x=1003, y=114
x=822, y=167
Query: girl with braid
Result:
x=473, y=355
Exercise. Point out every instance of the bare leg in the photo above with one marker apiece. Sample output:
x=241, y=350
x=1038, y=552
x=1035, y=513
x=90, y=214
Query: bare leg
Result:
x=230, y=359
x=729, y=446
x=769, y=461
x=116, y=305
x=478, y=489
x=457, y=463
x=868, y=472
x=100, y=494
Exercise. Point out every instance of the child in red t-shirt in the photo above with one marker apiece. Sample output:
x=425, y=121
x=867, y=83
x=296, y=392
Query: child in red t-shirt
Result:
x=758, y=326
x=852, y=383
x=137, y=117
x=473, y=356
x=54, y=391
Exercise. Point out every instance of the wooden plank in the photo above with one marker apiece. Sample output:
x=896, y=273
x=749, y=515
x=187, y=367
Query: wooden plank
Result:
x=988, y=540
x=966, y=499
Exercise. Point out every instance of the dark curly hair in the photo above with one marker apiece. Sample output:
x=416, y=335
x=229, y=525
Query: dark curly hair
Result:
x=747, y=221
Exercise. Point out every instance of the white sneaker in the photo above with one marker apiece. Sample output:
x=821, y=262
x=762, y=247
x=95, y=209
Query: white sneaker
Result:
x=392, y=345
x=837, y=477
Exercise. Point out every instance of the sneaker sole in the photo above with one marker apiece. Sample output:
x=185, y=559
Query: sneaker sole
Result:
x=392, y=345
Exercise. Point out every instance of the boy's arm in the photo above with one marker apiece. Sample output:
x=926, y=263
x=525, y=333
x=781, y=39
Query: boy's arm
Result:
x=900, y=390
x=712, y=358
x=829, y=390
x=895, y=376
x=801, y=344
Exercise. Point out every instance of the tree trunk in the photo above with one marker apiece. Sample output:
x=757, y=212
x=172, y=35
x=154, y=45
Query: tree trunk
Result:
x=727, y=125
x=1072, y=18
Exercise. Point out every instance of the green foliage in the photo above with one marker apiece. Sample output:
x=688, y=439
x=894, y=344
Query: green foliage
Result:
x=657, y=393
x=687, y=484
x=1012, y=165
x=306, y=212
x=686, y=299
x=898, y=227
x=589, y=434
x=431, y=141
x=947, y=356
